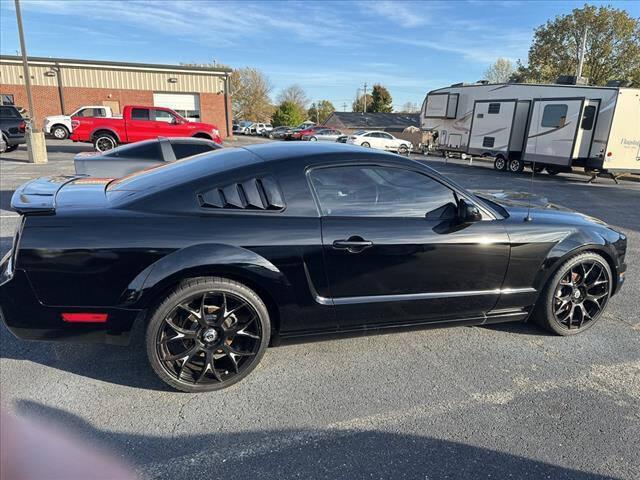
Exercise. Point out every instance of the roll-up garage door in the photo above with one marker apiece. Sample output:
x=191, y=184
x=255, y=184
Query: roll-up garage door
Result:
x=186, y=104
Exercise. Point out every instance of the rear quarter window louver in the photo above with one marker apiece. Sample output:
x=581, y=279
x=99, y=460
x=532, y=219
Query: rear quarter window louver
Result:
x=254, y=194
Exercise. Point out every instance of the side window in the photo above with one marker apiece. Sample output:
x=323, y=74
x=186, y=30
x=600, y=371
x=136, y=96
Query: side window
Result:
x=85, y=112
x=99, y=112
x=374, y=191
x=554, y=116
x=162, y=116
x=588, y=117
x=7, y=99
x=386, y=135
x=494, y=108
x=139, y=114
x=182, y=150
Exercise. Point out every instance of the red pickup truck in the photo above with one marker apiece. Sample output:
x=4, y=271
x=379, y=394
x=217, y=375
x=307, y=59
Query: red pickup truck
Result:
x=138, y=123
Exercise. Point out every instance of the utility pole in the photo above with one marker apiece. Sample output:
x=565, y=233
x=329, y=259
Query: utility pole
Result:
x=364, y=110
x=344, y=106
x=36, y=146
x=583, y=49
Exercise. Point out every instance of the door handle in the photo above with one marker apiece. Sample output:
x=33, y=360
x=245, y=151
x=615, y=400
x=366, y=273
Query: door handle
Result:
x=354, y=244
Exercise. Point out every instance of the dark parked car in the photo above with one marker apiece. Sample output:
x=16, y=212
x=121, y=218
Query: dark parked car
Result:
x=224, y=254
x=127, y=159
x=12, y=128
x=280, y=132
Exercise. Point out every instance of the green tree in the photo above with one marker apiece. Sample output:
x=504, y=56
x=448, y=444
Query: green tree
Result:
x=358, y=103
x=612, y=48
x=381, y=99
x=288, y=113
x=500, y=72
x=319, y=112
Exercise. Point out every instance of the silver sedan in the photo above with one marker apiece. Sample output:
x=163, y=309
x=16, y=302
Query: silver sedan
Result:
x=325, y=135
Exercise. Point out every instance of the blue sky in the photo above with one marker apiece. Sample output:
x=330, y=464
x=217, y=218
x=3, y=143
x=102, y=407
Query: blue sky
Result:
x=330, y=48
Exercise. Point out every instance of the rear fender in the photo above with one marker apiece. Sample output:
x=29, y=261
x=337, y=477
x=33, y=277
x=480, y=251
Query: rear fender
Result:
x=104, y=129
x=205, y=260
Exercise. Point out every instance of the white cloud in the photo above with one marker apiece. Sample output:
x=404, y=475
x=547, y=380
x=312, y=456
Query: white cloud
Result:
x=406, y=14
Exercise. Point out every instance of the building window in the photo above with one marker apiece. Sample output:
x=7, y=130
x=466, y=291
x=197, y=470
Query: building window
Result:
x=7, y=99
x=554, y=116
x=588, y=117
x=494, y=108
x=488, y=142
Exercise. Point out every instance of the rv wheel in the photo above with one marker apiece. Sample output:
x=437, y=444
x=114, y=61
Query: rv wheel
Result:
x=500, y=164
x=552, y=171
x=516, y=166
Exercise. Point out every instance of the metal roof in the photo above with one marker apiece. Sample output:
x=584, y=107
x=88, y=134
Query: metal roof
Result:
x=375, y=120
x=125, y=65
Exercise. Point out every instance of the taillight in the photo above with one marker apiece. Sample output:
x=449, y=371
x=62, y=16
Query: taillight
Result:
x=22, y=127
x=84, y=317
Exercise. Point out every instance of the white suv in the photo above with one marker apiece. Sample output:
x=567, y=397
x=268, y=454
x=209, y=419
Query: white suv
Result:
x=59, y=126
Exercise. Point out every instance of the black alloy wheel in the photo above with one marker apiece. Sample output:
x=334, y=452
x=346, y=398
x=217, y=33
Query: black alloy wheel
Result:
x=207, y=335
x=104, y=142
x=576, y=295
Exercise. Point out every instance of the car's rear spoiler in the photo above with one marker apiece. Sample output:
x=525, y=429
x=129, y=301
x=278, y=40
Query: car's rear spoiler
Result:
x=38, y=197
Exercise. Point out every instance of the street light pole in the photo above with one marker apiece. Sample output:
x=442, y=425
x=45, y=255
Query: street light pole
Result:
x=36, y=146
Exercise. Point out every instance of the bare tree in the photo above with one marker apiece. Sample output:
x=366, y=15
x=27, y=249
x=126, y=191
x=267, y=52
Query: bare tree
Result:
x=409, y=107
x=250, y=90
x=294, y=94
x=500, y=71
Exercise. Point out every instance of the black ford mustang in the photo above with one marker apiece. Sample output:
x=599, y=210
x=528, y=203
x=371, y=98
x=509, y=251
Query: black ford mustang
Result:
x=228, y=252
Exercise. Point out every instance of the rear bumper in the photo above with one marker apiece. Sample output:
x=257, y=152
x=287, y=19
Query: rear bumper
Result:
x=29, y=319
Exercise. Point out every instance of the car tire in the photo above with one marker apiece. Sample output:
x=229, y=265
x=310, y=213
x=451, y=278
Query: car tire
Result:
x=516, y=165
x=500, y=163
x=552, y=171
x=365, y=145
x=4, y=146
x=60, y=132
x=313, y=139
x=575, y=275
x=271, y=136
x=104, y=142
x=218, y=354
x=403, y=150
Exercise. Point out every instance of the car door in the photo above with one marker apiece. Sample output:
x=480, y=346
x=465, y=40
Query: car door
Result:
x=166, y=124
x=141, y=125
x=395, y=251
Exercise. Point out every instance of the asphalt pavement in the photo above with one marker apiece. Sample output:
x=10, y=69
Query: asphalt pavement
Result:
x=508, y=401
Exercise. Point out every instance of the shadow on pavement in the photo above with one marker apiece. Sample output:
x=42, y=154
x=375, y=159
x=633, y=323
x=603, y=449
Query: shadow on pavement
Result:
x=301, y=453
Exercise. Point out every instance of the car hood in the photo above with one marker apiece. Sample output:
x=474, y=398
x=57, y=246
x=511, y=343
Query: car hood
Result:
x=520, y=204
x=57, y=118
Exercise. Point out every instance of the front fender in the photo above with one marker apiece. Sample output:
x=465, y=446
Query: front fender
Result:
x=573, y=244
x=205, y=260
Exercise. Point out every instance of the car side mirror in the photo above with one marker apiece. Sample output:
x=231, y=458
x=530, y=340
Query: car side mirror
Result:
x=468, y=212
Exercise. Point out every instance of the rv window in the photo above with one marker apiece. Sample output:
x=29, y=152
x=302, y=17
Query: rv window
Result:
x=554, y=116
x=488, y=142
x=494, y=108
x=588, y=117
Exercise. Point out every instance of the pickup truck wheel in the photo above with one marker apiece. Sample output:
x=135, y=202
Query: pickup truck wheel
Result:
x=104, y=142
x=60, y=132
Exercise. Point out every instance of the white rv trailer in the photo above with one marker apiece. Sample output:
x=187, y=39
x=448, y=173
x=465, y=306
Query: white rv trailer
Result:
x=556, y=126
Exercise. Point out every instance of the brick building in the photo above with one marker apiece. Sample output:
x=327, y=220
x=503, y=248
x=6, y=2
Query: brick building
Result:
x=62, y=85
